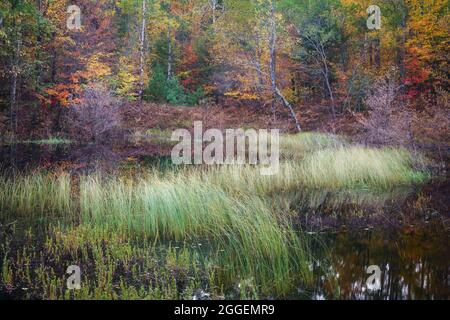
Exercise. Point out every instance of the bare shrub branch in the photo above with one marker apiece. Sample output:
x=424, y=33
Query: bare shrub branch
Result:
x=388, y=120
x=96, y=118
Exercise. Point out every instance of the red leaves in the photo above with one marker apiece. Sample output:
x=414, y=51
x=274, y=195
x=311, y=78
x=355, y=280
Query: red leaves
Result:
x=62, y=94
x=190, y=72
x=416, y=77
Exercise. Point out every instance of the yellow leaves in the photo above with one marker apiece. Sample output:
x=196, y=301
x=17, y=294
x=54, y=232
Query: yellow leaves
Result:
x=56, y=12
x=289, y=94
x=249, y=96
x=96, y=68
x=209, y=88
x=241, y=95
x=162, y=21
x=126, y=78
x=429, y=28
x=233, y=94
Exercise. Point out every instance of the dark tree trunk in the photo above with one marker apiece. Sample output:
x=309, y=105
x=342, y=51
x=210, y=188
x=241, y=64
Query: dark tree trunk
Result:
x=13, y=112
x=377, y=53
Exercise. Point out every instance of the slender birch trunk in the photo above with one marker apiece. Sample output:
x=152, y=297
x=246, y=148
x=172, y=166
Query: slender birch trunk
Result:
x=272, y=65
x=169, y=54
x=142, y=51
x=213, y=5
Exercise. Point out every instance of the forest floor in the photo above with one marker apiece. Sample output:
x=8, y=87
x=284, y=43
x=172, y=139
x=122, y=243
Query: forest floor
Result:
x=145, y=116
x=430, y=132
x=149, y=126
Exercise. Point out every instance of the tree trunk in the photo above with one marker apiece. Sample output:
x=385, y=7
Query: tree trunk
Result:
x=291, y=110
x=53, y=63
x=142, y=53
x=322, y=61
x=13, y=111
x=272, y=53
x=38, y=51
x=364, y=50
x=273, y=75
x=13, y=102
x=169, y=54
x=213, y=4
x=258, y=58
x=401, y=41
x=377, y=53
x=326, y=75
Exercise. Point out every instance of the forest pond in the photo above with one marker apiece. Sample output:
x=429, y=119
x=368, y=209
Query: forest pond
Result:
x=403, y=232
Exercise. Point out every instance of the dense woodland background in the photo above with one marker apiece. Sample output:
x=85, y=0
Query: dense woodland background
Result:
x=313, y=63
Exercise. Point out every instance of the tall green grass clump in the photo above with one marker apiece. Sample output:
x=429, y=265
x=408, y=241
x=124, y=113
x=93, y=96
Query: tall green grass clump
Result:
x=331, y=169
x=358, y=167
x=179, y=208
x=295, y=147
x=250, y=239
x=36, y=195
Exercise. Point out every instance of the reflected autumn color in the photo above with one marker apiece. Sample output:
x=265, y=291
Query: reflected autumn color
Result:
x=414, y=264
x=414, y=257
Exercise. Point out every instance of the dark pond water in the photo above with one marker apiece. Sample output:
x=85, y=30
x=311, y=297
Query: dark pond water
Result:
x=414, y=264
x=405, y=233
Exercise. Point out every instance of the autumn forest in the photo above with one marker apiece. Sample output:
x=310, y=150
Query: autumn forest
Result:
x=355, y=94
x=269, y=54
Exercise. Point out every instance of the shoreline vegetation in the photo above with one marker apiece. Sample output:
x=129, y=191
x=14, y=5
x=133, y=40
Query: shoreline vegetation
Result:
x=168, y=235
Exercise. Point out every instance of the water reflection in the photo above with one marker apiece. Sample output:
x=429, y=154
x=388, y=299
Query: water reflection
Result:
x=314, y=205
x=405, y=232
x=74, y=158
x=414, y=264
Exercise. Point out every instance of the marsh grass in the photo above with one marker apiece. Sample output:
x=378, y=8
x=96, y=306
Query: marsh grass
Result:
x=358, y=167
x=152, y=135
x=37, y=195
x=188, y=209
x=51, y=141
x=233, y=212
x=48, y=141
x=243, y=234
x=116, y=265
x=295, y=147
x=344, y=168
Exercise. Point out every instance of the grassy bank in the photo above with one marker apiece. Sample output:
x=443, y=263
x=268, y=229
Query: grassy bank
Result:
x=231, y=231
x=48, y=141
